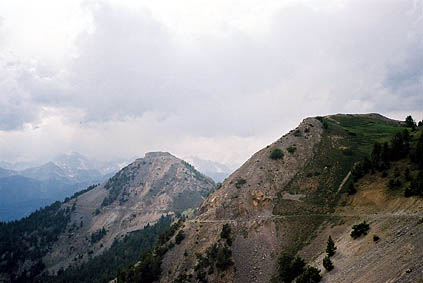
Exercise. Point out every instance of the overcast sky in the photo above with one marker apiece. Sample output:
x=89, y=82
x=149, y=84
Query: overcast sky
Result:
x=214, y=79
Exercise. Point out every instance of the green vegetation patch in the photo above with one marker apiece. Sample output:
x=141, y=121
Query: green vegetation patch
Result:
x=217, y=256
x=116, y=187
x=122, y=253
x=30, y=239
x=240, y=182
x=291, y=149
x=346, y=139
x=364, y=131
x=327, y=263
x=359, y=230
x=98, y=235
x=292, y=267
x=276, y=154
x=400, y=161
x=310, y=275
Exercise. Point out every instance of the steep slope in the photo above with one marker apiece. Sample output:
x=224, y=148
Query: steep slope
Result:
x=139, y=194
x=246, y=200
x=396, y=221
x=282, y=204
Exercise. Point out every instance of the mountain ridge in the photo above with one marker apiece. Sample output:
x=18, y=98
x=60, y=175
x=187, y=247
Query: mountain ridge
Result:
x=287, y=202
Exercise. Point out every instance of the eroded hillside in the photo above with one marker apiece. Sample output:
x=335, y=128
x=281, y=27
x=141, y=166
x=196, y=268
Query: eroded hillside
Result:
x=138, y=194
x=291, y=202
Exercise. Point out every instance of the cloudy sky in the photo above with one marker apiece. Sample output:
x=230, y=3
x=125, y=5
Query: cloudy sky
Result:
x=214, y=79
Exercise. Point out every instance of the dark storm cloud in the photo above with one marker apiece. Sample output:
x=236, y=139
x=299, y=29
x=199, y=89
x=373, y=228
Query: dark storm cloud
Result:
x=132, y=65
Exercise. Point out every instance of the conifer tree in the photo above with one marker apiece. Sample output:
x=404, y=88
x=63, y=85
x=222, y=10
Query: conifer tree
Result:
x=410, y=123
x=330, y=248
x=327, y=263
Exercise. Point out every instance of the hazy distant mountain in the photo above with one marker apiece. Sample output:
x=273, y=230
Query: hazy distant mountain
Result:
x=37, y=186
x=6, y=165
x=7, y=172
x=45, y=172
x=217, y=171
x=20, y=195
x=76, y=161
x=19, y=166
x=73, y=160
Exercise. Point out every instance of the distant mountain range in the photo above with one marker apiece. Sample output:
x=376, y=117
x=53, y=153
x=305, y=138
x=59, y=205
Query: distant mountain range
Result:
x=25, y=187
x=217, y=171
x=24, y=190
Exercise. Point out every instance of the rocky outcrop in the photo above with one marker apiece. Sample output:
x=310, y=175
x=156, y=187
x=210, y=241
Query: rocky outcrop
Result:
x=246, y=200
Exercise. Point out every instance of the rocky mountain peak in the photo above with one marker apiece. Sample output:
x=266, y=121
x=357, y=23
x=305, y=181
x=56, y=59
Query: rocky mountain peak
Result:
x=137, y=195
x=157, y=154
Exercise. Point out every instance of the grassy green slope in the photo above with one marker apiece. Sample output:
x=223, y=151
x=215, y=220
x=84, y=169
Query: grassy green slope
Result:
x=362, y=131
x=346, y=140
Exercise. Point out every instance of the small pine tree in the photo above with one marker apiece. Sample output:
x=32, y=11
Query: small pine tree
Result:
x=327, y=263
x=409, y=122
x=330, y=248
x=226, y=234
x=289, y=267
x=224, y=258
x=179, y=237
x=360, y=229
x=276, y=153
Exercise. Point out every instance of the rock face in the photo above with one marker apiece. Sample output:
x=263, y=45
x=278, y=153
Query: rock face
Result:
x=293, y=203
x=139, y=194
x=246, y=200
x=249, y=192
